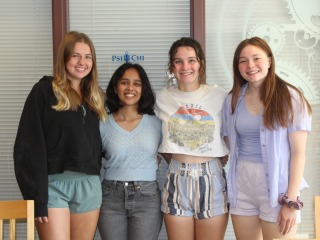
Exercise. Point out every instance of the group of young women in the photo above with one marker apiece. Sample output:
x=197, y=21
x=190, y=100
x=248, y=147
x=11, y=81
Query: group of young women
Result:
x=68, y=125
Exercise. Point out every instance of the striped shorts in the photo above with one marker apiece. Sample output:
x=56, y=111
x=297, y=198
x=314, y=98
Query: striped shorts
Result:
x=197, y=190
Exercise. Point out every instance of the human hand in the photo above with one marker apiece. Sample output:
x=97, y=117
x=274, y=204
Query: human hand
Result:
x=224, y=160
x=41, y=219
x=286, y=219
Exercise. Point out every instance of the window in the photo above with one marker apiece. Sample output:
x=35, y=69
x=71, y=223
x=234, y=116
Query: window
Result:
x=292, y=30
x=26, y=55
x=141, y=31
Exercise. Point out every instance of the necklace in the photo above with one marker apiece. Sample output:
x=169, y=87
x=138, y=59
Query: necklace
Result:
x=254, y=108
x=251, y=100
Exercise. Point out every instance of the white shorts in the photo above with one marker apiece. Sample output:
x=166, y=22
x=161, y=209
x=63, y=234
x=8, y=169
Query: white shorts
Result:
x=253, y=193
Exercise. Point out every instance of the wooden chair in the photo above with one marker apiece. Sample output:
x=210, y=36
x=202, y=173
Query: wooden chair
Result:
x=317, y=217
x=18, y=209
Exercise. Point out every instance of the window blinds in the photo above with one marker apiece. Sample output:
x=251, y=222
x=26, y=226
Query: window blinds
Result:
x=141, y=31
x=26, y=55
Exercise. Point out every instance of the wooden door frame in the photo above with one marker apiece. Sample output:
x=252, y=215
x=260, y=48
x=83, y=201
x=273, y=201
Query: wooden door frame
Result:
x=60, y=22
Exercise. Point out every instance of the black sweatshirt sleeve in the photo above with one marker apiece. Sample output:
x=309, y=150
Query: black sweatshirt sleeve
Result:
x=30, y=154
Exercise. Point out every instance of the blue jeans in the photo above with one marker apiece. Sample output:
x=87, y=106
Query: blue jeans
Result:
x=130, y=211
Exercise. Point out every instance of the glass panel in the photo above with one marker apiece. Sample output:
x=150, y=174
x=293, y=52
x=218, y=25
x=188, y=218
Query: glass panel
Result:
x=291, y=27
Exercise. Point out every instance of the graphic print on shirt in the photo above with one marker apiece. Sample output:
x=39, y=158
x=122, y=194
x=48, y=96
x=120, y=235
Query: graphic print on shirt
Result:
x=191, y=128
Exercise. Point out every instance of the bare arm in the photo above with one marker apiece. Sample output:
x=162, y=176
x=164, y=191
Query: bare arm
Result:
x=167, y=157
x=224, y=159
x=226, y=139
x=298, y=142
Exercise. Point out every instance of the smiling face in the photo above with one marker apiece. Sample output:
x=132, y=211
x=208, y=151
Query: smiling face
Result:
x=186, y=69
x=129, y=88
x=254, y=64
x=80, y=63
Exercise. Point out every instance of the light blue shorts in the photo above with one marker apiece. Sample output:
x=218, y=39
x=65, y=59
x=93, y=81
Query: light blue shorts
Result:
x=253, y=193
x=197, y=190
x=77, y=191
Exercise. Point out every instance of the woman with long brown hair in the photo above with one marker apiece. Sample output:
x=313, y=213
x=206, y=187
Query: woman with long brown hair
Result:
x=265, y=124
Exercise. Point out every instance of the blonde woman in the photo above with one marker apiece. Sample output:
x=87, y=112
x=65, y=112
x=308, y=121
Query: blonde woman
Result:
x=57, y=152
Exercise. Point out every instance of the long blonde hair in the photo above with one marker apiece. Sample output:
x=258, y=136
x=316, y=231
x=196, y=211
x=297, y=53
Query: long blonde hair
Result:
x=67, y=98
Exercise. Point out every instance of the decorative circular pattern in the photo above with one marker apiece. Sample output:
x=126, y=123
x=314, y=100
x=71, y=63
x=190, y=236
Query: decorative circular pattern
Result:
x=271, y=33
x=299, y=79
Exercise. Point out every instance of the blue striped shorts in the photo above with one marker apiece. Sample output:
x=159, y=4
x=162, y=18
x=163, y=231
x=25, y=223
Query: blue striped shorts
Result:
x=198, y=190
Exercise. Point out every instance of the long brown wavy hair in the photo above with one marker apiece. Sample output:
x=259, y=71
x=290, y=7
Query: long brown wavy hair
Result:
x=189, y=42
x=274, y=92
x=67, y=97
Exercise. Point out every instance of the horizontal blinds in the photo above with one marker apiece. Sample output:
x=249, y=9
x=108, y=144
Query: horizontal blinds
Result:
x=293, y=37
x=143, y=29
x=26, y=55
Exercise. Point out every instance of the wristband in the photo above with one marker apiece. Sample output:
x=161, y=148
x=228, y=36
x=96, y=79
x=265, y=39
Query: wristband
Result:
x=284, y=200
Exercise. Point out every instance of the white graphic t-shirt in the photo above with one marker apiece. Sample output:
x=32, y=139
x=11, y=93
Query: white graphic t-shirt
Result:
x=191, y=121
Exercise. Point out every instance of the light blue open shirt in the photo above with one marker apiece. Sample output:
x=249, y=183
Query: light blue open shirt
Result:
x=275, y=147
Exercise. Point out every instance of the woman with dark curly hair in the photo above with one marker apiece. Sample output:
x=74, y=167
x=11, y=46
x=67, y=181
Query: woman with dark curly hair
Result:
x=195, y=196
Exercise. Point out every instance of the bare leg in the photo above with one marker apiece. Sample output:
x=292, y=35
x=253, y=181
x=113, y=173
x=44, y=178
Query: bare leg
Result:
x=211, y=228
x=83, y=225
x=247, y=227
x=58, y=226
x=179, y=227
x=271, y=230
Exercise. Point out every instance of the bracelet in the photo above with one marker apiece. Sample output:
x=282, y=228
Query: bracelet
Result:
x=284, y=200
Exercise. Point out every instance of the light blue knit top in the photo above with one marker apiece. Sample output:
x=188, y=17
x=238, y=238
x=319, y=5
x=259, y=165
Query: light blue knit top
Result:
x=131, y=156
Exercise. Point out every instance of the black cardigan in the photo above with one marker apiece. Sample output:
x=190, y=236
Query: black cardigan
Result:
x=50, y=141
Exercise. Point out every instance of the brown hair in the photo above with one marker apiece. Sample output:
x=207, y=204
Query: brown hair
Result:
x=189, y=42
x=274, y=92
